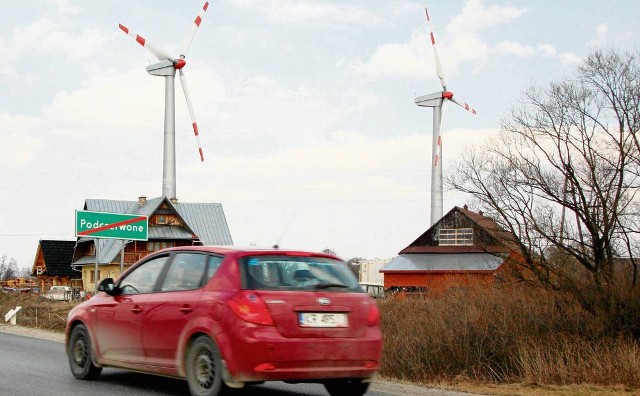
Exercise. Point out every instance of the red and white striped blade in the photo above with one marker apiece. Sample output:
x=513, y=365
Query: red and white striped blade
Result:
x=158, y=53
x=439, y=70
x=191, y=33
x=463, y=104
x=194, y=124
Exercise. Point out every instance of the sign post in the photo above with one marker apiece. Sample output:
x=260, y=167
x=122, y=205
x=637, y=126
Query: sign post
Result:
x=105, y=225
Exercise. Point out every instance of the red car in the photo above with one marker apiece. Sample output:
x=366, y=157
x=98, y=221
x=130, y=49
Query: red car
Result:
x=225, y=317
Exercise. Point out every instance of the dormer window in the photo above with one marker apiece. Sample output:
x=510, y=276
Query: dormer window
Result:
x=455, y=237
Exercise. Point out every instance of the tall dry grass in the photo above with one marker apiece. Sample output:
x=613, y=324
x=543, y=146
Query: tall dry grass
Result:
x=503, y=335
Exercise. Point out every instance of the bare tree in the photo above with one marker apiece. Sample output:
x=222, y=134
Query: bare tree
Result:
x=8, y=268
x=563, y=176
x=329, y=251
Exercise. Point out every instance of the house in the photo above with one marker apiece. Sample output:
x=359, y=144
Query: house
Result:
x=171, y=223
x=52, y=265
x=462, y=248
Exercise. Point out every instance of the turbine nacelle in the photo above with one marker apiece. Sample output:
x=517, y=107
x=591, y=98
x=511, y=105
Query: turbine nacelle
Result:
x=179, y=63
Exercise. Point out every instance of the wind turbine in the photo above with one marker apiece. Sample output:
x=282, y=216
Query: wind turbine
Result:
x=167, y=68
x=437, y=100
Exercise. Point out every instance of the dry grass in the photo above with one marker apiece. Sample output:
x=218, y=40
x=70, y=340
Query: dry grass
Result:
x=37, y=311
x=503, y=336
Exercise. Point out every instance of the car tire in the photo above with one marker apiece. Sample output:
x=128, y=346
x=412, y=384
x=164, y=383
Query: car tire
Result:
x=80, y=354
x=346, y=387
x=204, y=368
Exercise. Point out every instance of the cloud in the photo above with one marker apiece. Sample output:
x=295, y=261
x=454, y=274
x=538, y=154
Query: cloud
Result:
x=566, y=58
x=20, y=145
x=475, y=16
x=304, y=11
x=397, y=60
x=516, y=49
x=461, y=43
x=600, y=35
x=63, y=6
x=260, y=115
x=47, y=36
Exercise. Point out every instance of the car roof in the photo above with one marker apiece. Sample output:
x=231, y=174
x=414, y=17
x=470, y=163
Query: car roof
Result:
x=243, y=250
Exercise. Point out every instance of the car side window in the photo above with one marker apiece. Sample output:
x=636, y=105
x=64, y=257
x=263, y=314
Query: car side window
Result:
x=186, y=272
x=212, y=266
x=143, y=278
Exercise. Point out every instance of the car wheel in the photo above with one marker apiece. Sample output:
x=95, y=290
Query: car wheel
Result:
x=346, y=387
x=80, y=355
x=204, y=368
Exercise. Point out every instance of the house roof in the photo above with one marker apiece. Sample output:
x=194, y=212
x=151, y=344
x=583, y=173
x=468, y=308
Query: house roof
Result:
x=57, y=257
x=463, y=262
x=203, y=221
x=206, y=220
x=489, y=237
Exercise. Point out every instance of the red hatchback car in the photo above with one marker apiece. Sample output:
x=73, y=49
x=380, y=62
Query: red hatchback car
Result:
x=225, y=317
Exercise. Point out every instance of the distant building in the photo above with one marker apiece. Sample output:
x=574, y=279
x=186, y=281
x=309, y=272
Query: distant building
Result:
x=462, y=248
x=369, y=271
x=52, y=265
x=170, y=224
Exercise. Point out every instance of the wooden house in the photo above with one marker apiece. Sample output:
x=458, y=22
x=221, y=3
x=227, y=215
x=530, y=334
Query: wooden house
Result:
x=461, y=249
x=52, y=265
x=170, y=224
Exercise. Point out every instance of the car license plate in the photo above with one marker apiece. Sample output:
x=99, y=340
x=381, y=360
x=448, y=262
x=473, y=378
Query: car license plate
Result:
x=322, y=319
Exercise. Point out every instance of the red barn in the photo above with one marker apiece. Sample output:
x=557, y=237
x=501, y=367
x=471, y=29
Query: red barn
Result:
x=462, y=248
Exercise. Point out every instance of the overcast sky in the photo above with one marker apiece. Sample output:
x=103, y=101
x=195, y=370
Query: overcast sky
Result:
x=305, y=108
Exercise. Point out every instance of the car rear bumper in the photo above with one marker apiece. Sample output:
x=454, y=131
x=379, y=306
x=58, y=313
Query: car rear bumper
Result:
x=261, y=354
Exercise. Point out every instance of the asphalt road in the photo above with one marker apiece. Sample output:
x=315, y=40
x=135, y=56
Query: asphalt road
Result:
x=38, y=367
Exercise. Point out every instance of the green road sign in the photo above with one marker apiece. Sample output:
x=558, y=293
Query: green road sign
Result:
x=111, y=225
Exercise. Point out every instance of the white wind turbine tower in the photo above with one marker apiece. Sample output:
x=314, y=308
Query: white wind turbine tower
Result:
x=167, y=68
x=436, y=100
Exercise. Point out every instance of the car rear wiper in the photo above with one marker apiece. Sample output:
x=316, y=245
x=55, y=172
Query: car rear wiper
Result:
x=329, y=285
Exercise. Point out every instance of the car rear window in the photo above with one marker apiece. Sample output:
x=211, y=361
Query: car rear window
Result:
x=297, y=273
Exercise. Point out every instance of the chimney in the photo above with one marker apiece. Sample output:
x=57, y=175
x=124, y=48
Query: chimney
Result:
x=480, y=213
x=142, y=200
x=465, y=207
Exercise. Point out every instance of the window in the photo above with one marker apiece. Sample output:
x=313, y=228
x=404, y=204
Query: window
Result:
x=213, y=265
x=455, y=237
x=92, y=275
x=162, y=219
x=297, y=273
x=185, y=273
x=154, y=246
x=143, y=278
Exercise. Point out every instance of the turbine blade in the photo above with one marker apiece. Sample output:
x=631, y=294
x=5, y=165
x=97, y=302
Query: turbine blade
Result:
x=463, y=104
x=191, y=33
x=439, y=70
x=194, y=124
x=158, y=53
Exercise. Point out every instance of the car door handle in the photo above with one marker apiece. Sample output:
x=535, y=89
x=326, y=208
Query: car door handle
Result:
x=186, y=309
x=136, y=309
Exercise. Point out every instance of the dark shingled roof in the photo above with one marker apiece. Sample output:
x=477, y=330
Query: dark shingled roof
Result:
x=57, y=257
x=489, y=236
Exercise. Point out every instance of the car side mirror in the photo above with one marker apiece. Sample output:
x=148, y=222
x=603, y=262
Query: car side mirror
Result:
x=107, y=286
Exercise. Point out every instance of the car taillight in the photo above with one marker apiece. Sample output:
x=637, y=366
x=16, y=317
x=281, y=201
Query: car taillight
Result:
x=373, y=318
x=250, y=307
